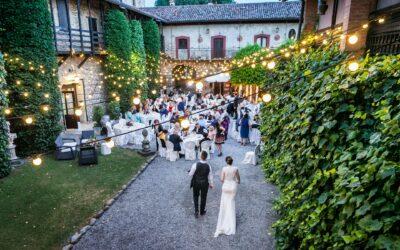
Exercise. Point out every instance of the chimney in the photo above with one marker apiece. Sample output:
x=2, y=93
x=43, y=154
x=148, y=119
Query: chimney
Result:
x=172, y=2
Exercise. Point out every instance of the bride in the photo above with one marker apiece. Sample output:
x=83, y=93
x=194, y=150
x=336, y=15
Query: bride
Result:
x=227, y=211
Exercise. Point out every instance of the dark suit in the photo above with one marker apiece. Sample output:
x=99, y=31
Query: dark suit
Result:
x=200, y=186
x=176, y=140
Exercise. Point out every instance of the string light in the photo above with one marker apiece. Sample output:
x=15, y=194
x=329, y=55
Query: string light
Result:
x=45, y=108
x=353, y=39
x=271, y=65
x=353, y=66
x=37, y=161
x=381, y=20
x=199, y=86
x=154, y=91
x=266, y=98
x=302, y=50
x=136, y=101
x=29, y=120
x=365, y=26
x=7, y=111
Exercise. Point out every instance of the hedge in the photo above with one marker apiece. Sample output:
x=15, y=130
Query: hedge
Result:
x=332, y=147
x=5, y=168
x=249, y=75
x=30, y=39
x=152, y=45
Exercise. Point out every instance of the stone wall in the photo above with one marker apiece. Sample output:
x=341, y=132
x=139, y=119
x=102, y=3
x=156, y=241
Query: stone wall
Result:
x=89, y=81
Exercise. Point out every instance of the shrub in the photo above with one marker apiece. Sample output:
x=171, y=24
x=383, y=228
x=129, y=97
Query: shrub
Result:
x=332, y=147
x=5, y=168
x=30, y=39
x=249, y=75
x=152, y=45
x=98, y=113
x=114, y=110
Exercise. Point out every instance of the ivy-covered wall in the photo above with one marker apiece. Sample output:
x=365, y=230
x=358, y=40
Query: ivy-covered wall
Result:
x=256, y=75
x=152, y=45
x=5, y=168
x=332, y=147
x=26, y=36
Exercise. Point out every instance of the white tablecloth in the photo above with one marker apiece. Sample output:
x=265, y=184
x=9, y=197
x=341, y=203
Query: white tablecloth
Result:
x=134, y=137
x=194, y=138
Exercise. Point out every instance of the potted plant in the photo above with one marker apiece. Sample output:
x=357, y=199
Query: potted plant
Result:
x=114, y=110
x=98, y=113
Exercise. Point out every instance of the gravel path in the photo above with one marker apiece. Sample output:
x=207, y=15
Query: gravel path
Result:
x=156, y=211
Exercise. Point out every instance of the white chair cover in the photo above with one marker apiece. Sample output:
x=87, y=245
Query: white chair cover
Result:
x=206, y=146
x=105, y=149
x=110, y=131
x=171, y=154
x=250, y=158
x=255, y=136
x=190, y=150
x=161, y=151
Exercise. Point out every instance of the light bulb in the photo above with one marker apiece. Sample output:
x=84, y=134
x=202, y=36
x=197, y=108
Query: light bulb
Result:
x=287, y=54
x=271, y=65
x=78, y=112
x=154, y=92
x=365, y=26
x=117, y=98
x=266, y=98
x=185, y=123
x=353, y=66
x=381, y=20
x=46, y=95
x=28, y=120
x=138, y=92
x=353, y=39
x=7, y=111
x=136, y=101
x=303, y=50
x=37, y=161
x=45, y=108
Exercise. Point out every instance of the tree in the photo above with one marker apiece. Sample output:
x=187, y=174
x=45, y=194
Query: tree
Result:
x=152, y=45
x=5, y=168
x=118, y=39
x=31, y=73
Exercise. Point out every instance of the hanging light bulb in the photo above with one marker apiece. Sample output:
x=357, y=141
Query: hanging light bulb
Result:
x=136, y=101
x=365, y=26
x=47, y=95
x=37, y=161
x=303, y=50
x=154, y=91
x=185, y=123
x=381, y=20
x=287, y=54
x=353, y=39
x=78, y=112
x=353, y=66
x=199, y=86
x=266, y=98
x=138, y=92
x=7, y=111
x=28, y=120
x=45, y=108
x=271, y=65
x=117, y=98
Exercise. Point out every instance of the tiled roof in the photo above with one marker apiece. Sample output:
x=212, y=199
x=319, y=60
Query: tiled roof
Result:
x=268, y=11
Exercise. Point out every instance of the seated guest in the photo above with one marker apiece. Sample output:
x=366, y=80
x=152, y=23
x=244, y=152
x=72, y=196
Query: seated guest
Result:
x=163, y=110
x=199, y=129
x=212, y=133
x=205, y=138
x=181, y=106
x=176, y=140
x=202, y=122
x=174, y=118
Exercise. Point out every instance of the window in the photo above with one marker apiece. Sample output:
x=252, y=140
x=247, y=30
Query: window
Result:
x=62, y=14
x=292, y=34
x=262, y=40
x=94, y=31
x=182, y=47
x=218, y=44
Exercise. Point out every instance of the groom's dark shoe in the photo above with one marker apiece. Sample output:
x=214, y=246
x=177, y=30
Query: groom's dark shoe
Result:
x=196, y=215
x=203, y=213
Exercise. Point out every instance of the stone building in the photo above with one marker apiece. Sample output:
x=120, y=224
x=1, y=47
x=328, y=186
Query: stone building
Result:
x=79, y=41
x=198, y=37
x=383, y=38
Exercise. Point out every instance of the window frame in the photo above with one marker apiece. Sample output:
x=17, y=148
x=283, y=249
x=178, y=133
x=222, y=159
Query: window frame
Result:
x=267, y=37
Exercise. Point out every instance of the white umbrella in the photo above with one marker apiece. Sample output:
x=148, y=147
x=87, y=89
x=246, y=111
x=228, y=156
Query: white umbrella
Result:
x=221, y=77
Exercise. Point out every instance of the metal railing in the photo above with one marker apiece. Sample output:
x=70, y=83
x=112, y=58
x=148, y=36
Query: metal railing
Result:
x=80, y=41
x=384, y=43
x=200, y=54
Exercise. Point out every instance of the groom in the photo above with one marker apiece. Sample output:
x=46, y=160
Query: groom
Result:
x=202, y=178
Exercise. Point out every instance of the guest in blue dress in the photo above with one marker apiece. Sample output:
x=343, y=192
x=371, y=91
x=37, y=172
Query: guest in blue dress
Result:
x=244, y=129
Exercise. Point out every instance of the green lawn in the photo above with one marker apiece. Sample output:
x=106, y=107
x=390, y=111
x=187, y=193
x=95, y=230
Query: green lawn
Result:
x=40, y=207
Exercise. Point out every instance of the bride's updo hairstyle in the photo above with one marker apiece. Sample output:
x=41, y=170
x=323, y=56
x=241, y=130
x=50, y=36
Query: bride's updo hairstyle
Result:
x=229, y=160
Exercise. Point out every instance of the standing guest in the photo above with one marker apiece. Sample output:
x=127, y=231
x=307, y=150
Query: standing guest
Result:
x=199, y=129
x=219, y=138
x=212, y=133
x=244, y=129
x=205, y=138
x=225, y=124
x=202, y=179
x=163, y=137
x=157, y=130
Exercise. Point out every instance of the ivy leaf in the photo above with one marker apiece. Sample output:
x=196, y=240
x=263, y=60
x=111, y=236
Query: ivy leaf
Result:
x=375, y=138
x=363, y=210
x=322, y=198
x=370, y=225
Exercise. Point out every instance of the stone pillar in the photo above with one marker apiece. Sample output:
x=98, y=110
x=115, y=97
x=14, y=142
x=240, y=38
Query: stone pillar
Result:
x=310, y=16
x=356, y=13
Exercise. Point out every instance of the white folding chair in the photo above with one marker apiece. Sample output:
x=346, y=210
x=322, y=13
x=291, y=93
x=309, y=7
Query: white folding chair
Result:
x=190, y=150
x=250, y=158
x=161, y=151
x=171, y=154
x=206, y=146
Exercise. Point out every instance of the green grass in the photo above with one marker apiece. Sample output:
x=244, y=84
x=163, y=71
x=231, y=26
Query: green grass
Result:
x=40, y=207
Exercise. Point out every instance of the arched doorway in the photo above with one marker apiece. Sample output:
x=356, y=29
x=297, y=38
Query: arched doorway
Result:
x=182, y=74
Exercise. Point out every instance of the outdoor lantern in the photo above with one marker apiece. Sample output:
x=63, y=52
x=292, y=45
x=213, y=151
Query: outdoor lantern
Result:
x=185, y=123
x=199, y=86
x=37, y=161
x=136, y=101
x=266, y=98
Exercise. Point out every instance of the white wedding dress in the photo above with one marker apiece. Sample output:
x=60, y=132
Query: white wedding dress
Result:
x=227, y=211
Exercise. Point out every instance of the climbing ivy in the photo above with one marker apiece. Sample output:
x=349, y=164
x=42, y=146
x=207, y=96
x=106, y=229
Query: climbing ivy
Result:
x=152, y=45
x=26, y=36
x=5, y=168
x=332, y=146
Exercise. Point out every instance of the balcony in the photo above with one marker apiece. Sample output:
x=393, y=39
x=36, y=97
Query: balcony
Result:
x=200, y=54
x=78, y=41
